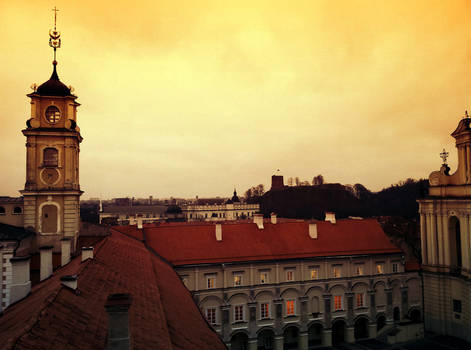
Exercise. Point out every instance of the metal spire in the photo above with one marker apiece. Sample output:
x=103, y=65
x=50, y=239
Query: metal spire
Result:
x=54, y=36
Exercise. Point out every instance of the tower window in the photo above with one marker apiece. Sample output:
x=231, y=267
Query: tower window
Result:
x=53, y=115
x=50, y=157
x=17, y=210
x=2, y=211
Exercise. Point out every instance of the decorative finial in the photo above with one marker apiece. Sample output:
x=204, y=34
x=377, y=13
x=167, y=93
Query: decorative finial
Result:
x=466, y=114
x=444, y=156
x=54, y=36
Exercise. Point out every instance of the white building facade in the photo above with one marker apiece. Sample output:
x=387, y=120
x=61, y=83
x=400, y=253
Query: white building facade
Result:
x=445, y=220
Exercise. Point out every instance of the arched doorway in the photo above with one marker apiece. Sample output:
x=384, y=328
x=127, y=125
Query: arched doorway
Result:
x=265, y=339
x=290, y=338
x=239, y=341
x=315, y=334
x=415, y=316
x=49, y=219
x=380, y=322
x=361, y=328
x=454, y=230
x=338, y=332
x=396, y=314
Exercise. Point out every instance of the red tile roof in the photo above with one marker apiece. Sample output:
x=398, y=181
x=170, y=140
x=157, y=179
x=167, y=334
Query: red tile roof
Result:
x=162, y=315
x=195, y=243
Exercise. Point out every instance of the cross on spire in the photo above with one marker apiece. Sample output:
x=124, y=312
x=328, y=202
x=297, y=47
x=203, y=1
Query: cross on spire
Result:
x=55, y=36
x=444, y=156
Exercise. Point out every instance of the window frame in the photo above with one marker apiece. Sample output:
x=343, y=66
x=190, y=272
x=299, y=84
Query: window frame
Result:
x=237, y=313
x=290, y=305
x=49, y=161
x=267, y=277
x=208, y=318
x=337, y=268
x=360, y=296
x=289, y=275
x=314, y=270
x=379, y=268
x=263, y=310
x=234, y=276
x=360, y=269
x=210, y=277
x=335, y=302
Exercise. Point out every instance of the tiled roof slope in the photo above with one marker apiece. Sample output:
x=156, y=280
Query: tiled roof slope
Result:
x=196, y=244
x=162, y=314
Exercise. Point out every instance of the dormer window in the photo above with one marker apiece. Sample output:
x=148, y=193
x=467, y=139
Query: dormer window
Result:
x=53, y=115
x=50, y=157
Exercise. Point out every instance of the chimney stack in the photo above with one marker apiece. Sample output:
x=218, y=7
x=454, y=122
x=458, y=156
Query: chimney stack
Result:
x=313, y=231
x=218, y=232
x=87, y=253
x=65, y=251
x=273, y=218
x=117, y=307
x=330, y=216
x=139, y=223
x=69, y=281
x=258, y=219
x=45, y=267
x=21, y=282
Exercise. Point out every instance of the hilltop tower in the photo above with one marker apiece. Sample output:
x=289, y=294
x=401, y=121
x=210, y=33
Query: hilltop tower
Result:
x=52, y=188
x=445, y=223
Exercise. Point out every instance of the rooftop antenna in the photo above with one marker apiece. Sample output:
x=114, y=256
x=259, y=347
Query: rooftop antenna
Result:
x=54, y=36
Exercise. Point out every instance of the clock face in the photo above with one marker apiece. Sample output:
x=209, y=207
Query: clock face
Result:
x=53, y=115
x=50, y=176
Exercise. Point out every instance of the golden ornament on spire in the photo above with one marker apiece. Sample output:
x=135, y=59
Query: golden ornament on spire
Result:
x=54, y=35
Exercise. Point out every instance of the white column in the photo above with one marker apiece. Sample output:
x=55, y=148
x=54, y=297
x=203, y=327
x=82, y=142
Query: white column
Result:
x=446, y=240
x=440, y=235
x=434, y=244
x=428, y=222
x=465, y=244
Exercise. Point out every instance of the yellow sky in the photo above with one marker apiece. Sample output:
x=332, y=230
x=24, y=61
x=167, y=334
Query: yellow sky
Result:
x=185, y=98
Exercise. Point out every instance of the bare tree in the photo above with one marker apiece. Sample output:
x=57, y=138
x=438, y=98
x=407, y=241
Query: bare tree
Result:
x=297, y=181
x=290, y=181
x=318, y=180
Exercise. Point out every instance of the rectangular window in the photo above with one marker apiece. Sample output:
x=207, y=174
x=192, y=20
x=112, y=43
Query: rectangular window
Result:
x=238, y=313
x=456, y=305
x=395, y=267
x=379, y=268
x=263, y=277
x=314, y=273
x=360, y=300
x=290, y=306
x=289, y=275
x=264, y=310
x=337, y=271
x=359, y=271
x=211, y=315
x=211, y=281
x=237, y=279
x=337, y=302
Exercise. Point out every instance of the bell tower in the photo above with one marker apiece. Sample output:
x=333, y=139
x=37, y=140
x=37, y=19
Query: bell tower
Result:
x=52, y=189
x=445, y=228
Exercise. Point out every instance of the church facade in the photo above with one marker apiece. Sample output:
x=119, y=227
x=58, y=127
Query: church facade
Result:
x=445, y=221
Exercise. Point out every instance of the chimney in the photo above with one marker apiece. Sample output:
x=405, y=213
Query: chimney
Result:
x=87, y=253
x=258, y=219
x=313, y=231
x=21, y=283
x=218, y=232
x=330, y=216
x=69, y=281
x=45, y=267
x=273, y=218
x=117, y=306
x=139, y=223
x=65, y=251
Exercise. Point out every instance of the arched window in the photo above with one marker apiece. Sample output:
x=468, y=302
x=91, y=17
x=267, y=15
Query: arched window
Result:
x=17, y=210
x=455, y=242
x=2, y=211
x=50, y=157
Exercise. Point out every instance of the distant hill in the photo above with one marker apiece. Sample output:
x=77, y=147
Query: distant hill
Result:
x=306, y=202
